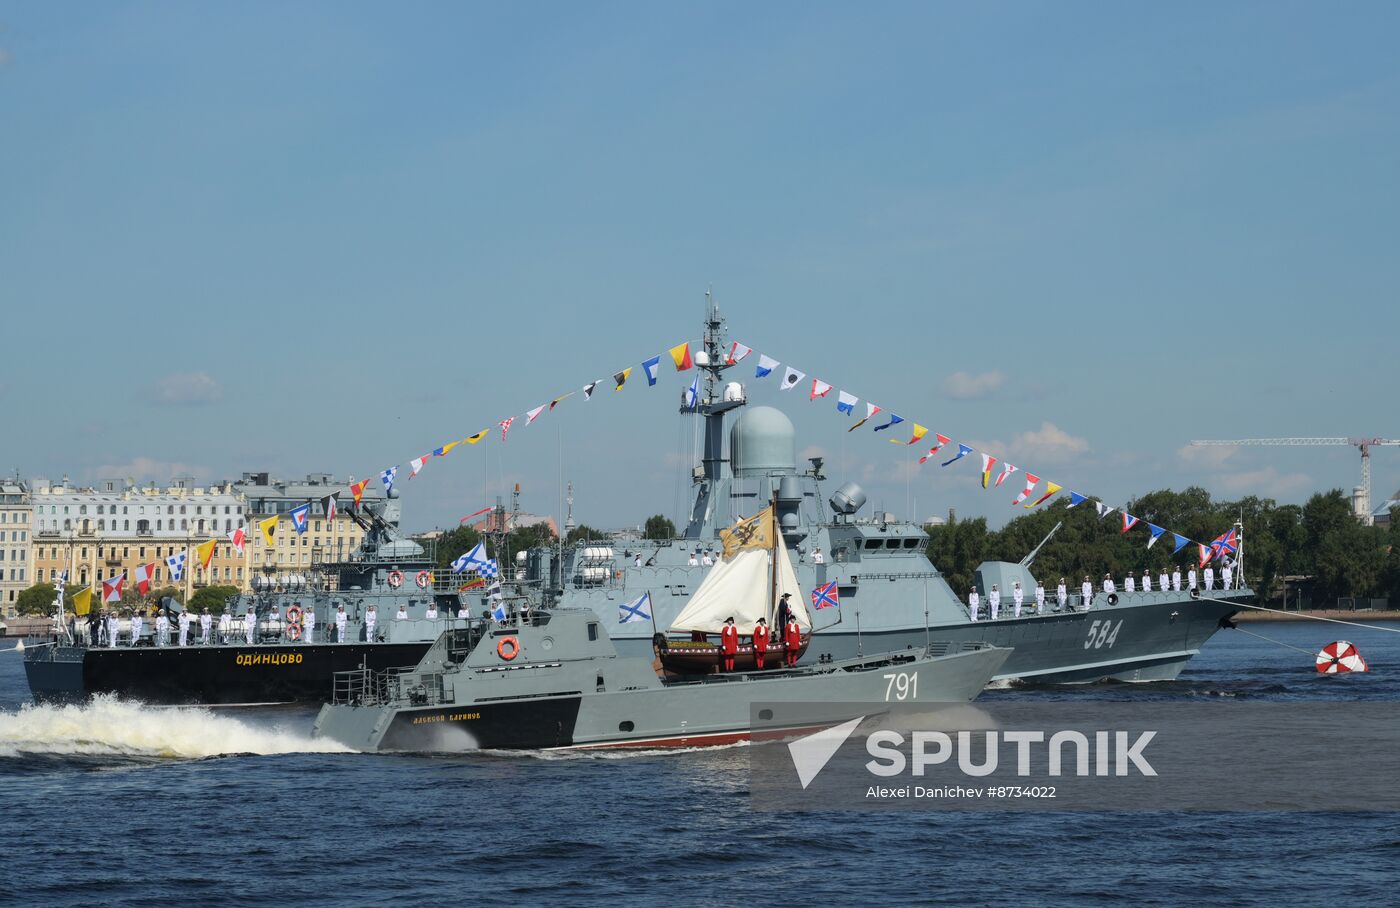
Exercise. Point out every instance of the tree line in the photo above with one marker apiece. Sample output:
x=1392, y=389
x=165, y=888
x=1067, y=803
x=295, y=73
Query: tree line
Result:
x=1319, y=541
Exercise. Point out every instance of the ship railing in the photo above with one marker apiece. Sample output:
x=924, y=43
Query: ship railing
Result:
x=396, y=686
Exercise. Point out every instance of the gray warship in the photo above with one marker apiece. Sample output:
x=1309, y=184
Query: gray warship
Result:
x=283, y=662
x=555, y=680
x=891, y=596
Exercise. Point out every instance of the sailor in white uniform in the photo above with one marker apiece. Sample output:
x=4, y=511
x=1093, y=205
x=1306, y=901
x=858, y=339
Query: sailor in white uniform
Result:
x=1108, y=585
x=994, y=602
x=693, y=561
x=402, y=614
x=136, y=627
x=1146, y=581
x=1039, y=598
x=1061, y=595
x=1208, y=577
x=818, y=557
x=250, y=625
x=225, y=627
x=162, y=628
x=1016, y=598
x=1176, y=579
x=308, y=624
x=1129, y=584
x=1191, y=579
x=371, y=619
x=637, y=560
x=432, y=613
x=113, y=628
x=464, y=613
x=206, y=625
x=184, y=624
x=1227, y=575
x=340, y=619
x=1162, y=582
x=973, y=603
x=1086, y=595
x=706, y=560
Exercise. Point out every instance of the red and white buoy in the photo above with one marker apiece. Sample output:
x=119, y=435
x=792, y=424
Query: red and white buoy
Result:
x=1339, y=657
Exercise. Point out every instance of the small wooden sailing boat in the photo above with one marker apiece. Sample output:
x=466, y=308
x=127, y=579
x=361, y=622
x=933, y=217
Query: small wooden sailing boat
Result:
x=750, y=579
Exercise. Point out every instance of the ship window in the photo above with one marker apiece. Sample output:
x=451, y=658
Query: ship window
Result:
x=592, y=631
x=765, y=713
x=911, y=543
x=872, y=543
x=891, y=543
x=626, y=725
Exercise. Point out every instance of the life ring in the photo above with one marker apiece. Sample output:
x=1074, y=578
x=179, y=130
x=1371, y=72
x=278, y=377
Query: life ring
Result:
x=294, y=615
x=422, y=580
x=396, y=579
x=514, y=648
x=294, y=631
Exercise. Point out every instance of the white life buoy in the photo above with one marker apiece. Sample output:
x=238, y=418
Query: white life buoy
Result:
x=396, y=579
x=423, y=579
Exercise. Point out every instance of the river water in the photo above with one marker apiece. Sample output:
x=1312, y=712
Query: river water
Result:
x=120, y=804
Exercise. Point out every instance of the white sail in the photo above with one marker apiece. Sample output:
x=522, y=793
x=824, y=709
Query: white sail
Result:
x=741, y=587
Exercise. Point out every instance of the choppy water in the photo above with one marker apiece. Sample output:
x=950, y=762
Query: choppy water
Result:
x=119, y=804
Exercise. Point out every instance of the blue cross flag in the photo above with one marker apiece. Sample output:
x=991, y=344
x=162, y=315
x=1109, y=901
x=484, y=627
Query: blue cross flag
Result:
x=826, y=596
x=470, y=560
x=638, y=609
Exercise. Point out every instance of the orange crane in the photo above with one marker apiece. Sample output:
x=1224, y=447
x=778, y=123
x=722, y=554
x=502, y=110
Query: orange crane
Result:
x=1361, y=495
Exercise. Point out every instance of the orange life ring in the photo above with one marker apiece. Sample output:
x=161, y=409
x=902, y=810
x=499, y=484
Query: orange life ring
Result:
x=422, y=580
x=514, y=648
x=294, y=631
x=294, y=615
x=396, y=579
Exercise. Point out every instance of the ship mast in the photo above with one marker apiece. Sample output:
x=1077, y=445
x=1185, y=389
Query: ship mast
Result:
x=712, y=406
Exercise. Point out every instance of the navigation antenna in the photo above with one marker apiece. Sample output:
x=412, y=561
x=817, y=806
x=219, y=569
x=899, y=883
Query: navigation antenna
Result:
x=569, y=521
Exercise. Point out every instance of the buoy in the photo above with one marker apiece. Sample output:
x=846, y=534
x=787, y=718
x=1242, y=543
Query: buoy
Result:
x=1339, y=657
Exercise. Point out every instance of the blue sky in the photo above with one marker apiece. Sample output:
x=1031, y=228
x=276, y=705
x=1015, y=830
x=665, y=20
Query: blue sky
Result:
x=332, y=236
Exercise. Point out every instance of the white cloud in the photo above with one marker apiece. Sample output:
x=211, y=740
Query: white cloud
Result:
x=188, y=388
x=967, y=386
x=1048, y=444
x=148, y=468
x=1209, y=457
x=1266, y=483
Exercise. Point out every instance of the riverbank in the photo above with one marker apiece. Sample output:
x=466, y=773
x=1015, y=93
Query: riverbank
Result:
x=1364, y=617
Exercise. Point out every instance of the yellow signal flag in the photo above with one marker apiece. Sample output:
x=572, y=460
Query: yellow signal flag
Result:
x=206, y=552
x=473, y=439
x=82, y=602
x=268, y=528
x=621, y=378
x=1051, y=489
x=447, y=448
x=680, y=355
x=919, y=432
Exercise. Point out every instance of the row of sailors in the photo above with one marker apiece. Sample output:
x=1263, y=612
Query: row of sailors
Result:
x=105, y=629
x=707, y=558
x=1086, y=591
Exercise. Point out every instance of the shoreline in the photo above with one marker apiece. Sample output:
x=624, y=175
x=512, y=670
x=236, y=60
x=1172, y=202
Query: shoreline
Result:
x=1339, y=614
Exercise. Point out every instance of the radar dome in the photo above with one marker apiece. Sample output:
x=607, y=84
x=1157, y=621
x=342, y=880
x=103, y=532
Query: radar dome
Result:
x=763, y=442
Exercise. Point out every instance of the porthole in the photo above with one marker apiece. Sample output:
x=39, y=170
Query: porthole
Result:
x=625, y=725
x=765, y=713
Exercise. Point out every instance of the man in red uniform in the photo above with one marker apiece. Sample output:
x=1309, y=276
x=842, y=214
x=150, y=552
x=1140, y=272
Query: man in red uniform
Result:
x=729, y=643
x=792, y=640
x=760, y=643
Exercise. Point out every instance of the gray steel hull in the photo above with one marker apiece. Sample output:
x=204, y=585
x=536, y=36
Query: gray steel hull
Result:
x=1149, y=637
x=709, y=712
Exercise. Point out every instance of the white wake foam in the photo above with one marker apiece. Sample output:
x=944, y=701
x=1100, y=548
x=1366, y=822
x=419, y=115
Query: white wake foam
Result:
x=108, y=726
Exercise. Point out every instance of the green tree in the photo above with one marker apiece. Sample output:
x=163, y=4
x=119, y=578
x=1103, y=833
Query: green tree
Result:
x=523, y=539
x=584, y=533
x=453, y=544
x=659, y=527
x=38, y=599
x=214, y=598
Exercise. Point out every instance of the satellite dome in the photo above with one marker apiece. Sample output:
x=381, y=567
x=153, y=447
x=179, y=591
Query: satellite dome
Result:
x=763, y=442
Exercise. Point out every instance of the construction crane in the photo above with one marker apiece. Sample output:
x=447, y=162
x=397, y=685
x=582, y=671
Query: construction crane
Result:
x=1361, y=495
